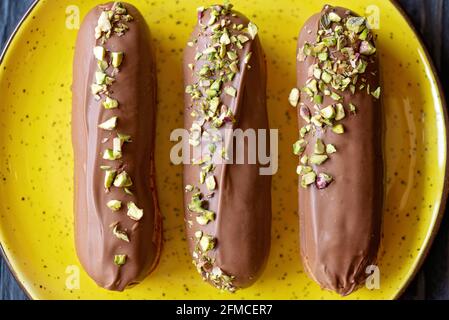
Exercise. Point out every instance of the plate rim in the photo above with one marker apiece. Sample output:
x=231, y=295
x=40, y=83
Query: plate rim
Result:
x=444, y=194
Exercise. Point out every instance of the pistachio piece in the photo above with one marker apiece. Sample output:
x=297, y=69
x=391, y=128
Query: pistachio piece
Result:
x=355, y=24
x=205, y=218
x=189, y=188
x=122, y=180
x=323, y=180
x=96, y=88
x=108, y=154
x=114, y=205
x=335, y=96
x=122, y=235
x=308, y=179
x=293, y=98
x=109, y=176
x=334, y=17
x=117, y=59
x=338, y=129
x=110, y=103
x=206, y=243
x=319, y=147
x=210, y=183
x=120, y=259
x=367, y=48
x=340, y=114
x=99, y=53
x=231, y=91
x=352, y=108
x=328, y=112
x=376, y=93
x=318, y=159
x=304, y=159
x=117, y=148
x=100, y=77
x=326, y=77
x=109, y=124
x=299, y=147
x=134, y=212
x=252, y=30
x=302, y=169
x=304, y=112
x=330, y=148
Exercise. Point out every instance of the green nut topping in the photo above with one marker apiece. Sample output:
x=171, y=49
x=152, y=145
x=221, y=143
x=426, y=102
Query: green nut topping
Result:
x=109, y=103
x=207, y=243
x=122, y=235
x=114, y=205
x=308, y=179
x=99, y=53
x=100, y=77
x=338, y=129
x=340, y=112
x=299, y=147
x=293, y=98
x=210, y=183
x=134, y=212
x=330, y=148
x=109, y=124
x=319, y=147
x=117, y=59
x=231, y=91
x=123, y=180
x=318, y=159
x=120, y=259
x=376, y=93
x=328, y=112
x=109, y=176
x=252, y=30
x=205, y=218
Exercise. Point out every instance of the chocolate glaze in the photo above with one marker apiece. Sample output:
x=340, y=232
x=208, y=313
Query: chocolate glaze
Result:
x=135, y=89
x=340, y=226
x=242, y=201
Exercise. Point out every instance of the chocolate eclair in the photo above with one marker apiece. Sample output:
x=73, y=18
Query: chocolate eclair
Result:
x=227, y=205
x=117, y=220
x=339, y=148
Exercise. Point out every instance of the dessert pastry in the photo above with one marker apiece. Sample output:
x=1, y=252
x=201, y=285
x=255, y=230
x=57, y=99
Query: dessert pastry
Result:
x=340, y=148
x=117, y=220
x=227, y=205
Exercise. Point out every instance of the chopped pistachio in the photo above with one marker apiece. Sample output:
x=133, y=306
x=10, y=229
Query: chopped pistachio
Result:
x=376, y=93
x=232, y=55
x=189, y=188
x=206, y=243
x=334, y=17
x=335, y=96
x=252, y=30
x=122, y=180
x=109, y=176
x=367, y=48
x=338, y=129
x=303, y=169
x=319, y=147
x=120, y=259
x=205, y=218
x=304, y=160
x=323, y=180
x=210, y=183
x=231, y=91
x=328, y=112
x=96, y=88
x=293, y=98
x=304, y=112
x=117, y=148
x=100, y=77
x=134, y=212
x=299, y=147
x=124, y=137
x=110, y=103
x=318, y=159
x=330, y=148
x=242, y=38
x=318, y=99
x=224, y=39
x=340, y=114
x=352, y=108
x=114, y=205
x=308, y=179
x=108, y=154
x=355, y=24
x=117, y=59
x=247, y=57
x=122, y=235
x=109, y=124
x=99, y=53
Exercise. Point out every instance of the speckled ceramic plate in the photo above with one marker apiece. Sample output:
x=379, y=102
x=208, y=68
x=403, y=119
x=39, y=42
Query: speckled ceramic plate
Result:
x=36, y=231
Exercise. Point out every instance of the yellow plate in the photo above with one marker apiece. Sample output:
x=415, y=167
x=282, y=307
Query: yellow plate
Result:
x=36, y=157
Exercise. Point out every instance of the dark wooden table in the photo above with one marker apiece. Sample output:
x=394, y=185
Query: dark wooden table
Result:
x=431, y=19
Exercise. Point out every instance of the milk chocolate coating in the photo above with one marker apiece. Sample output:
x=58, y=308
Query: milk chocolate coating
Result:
x=340, y=226
x=135, y=89
x=242, y=201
